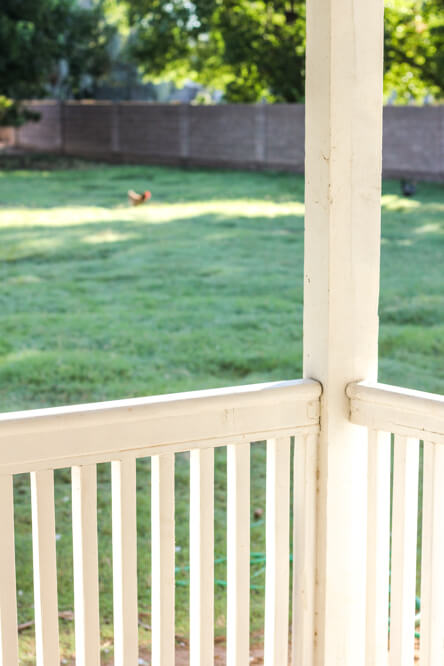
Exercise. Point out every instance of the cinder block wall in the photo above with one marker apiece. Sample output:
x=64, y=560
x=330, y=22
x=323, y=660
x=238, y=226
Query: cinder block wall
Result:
x=239, y=136
x=45, y=134
x=413, y=141
x=87, y=129
x=150, y=132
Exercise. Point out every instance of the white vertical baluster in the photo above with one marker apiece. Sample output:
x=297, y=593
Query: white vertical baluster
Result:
x=432, y=567
x=304, y=549
x=123, y=477
x=201, y=557
x=45, y=568
x=8, y=600
x=238, y=554
x=278, y=551
x=163, y=556
x=378, y=548
x=86, y=569
x=403, y=561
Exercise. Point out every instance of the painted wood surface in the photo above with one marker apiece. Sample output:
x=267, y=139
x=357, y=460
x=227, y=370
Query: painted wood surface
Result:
x=344, y=69
x=378, y=548
x=277, y=570
x=86, y=567
x=100, y=432
x=403, y=560
x=162, y=560
x=45, y=569
x=8, y=598
x=201, y=557
x=123, y=486
x=238, y=554
x=304, y=549
x=432, y=569
x=394, y=409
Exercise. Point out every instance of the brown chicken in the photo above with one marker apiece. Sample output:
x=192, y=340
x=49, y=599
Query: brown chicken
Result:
x=136, y=199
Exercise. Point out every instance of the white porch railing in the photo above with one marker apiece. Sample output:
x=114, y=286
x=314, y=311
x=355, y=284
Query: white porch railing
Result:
x=411, y=416
x=119, y=432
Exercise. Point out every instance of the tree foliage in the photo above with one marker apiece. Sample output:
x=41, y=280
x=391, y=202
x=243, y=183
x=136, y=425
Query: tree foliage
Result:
x=251, y=49
x=414, y=48
x=255, y=49
x=36, y=36
x=12, y=114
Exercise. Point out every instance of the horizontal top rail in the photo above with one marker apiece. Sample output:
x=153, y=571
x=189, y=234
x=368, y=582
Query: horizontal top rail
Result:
x=398, y=410
x=104, y=431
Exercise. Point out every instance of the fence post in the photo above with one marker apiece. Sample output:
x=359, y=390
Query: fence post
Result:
x=260, y=134
x=62, y=120
x=115, y=129
x=341, y=288
x=184, y=133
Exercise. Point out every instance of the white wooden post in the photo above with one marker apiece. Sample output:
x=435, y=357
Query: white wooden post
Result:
x=341, y=286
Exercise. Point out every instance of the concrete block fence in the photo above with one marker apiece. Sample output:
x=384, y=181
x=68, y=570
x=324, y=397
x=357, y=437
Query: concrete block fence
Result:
x=226, y=136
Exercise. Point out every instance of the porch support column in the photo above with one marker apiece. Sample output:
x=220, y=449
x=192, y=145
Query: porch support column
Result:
x=341, y=287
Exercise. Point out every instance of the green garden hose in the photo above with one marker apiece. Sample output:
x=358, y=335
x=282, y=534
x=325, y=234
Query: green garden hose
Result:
x=260, y=558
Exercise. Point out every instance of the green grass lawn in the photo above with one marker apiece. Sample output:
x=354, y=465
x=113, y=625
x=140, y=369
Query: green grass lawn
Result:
x=200, y=288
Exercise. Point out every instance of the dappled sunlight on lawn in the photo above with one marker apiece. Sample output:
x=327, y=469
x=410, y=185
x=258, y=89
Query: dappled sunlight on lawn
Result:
x=107, y=236
x=398, y=202
x=59, y=233
x=151, y=213
x=436, y=227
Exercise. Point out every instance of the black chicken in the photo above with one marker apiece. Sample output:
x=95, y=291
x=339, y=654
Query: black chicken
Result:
x=408, y=187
